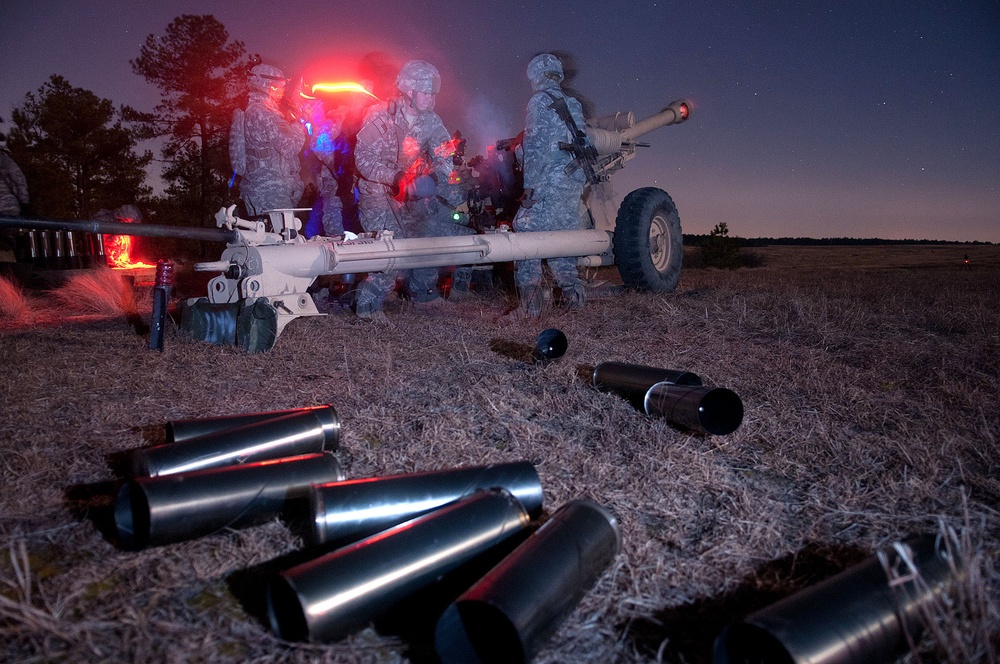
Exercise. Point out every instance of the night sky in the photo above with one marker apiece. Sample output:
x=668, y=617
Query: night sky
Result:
x=811, y=119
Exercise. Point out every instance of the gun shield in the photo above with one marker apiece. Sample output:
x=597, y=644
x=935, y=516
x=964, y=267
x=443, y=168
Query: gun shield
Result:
x=307, y=431
x=180, y=430
x=632, y=381
x=507, y=615
x=713, y=410
x=173, y=508
x=330, y=597
x=860, y=616
x=347, y=511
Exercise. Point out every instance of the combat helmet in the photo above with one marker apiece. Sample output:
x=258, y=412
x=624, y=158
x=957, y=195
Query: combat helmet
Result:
x=262, y=77
x=418, y=76
x=544, y=67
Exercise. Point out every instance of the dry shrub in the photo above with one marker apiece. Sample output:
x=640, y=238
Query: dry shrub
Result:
x=98, y=291
x=14, y=304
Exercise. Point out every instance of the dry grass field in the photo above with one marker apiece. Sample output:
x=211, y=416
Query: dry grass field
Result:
x=869, y=376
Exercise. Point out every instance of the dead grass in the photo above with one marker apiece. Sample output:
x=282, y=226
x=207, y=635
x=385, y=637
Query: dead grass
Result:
x=89, y=295
x=99, y=291
x=14, y=305
x=870, y=416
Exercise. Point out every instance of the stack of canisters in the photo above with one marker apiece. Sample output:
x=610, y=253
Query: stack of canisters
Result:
x=467, y=535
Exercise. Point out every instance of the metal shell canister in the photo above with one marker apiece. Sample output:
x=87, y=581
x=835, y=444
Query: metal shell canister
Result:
x=632, y=381
x=713, y=410
x=343, y=591
x=347, y=511
x=507, y=615
x=860, y=616
x=173, y=508
x=307, y=431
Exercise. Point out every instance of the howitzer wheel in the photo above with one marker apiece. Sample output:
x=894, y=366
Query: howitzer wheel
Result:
x=649, y=248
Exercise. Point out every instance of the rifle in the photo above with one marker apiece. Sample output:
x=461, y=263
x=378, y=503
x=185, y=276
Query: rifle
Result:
x=583, y=151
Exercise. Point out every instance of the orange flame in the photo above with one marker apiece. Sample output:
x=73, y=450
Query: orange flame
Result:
x=117, y=251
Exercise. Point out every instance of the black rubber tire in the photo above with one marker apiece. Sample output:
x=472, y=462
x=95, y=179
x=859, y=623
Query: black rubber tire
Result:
x=649, y=248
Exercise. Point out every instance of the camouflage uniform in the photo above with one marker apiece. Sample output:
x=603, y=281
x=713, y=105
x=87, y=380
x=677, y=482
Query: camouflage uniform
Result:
x=327, y=143
x=455, y=192
x=13, y=187
x=387, y=145
x=272, y=180
x=13, y=196
x=556, y=193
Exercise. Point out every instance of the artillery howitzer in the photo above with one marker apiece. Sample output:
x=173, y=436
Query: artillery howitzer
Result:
x=267, y=268
x=648, y=247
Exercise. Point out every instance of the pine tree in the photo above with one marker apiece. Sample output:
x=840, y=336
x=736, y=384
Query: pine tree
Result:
x=200, y=74
x=720, y=250
x=76, y=152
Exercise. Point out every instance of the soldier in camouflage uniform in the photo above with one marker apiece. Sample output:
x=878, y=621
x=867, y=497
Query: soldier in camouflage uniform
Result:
x=395, y=193
x=327, y=142
x=13, y=199
x=13, y=187
x=552, y=186
x=273, y=143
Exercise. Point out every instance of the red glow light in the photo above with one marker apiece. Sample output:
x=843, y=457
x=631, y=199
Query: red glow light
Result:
x=118, y=249
x=449, y=148
x=343, y=86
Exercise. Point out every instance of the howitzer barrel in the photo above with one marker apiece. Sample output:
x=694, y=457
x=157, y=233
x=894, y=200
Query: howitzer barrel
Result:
x=608, y=140
x=675, y=113
x=313, y=259
x=121, y=228
x=382, y=255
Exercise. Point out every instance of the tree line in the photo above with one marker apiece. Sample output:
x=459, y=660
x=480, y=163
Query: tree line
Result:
x=692, y=240
x=80, y=154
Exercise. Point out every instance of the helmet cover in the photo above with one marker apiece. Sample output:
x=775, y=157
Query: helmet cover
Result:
x=418, y=76
x=264, y=76
x=541, y=66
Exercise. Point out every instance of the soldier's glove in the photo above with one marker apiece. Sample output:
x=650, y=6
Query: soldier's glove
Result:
x=422, y=187
x=527, y=198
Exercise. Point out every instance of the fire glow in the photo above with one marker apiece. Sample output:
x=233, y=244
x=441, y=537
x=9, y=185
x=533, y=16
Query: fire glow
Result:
x=118, y=252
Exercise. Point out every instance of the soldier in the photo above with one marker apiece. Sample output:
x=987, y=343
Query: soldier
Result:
x=13, y=199
x=267, y=142
x=455, y=193
x=399, y=164
x=13, y=187
x=552, y=186
x=327, y=142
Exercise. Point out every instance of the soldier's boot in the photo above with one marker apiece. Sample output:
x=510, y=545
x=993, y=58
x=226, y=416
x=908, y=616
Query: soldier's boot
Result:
x=533, y=302
x=461, y=285
x=368, y=303
x=573, y=297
